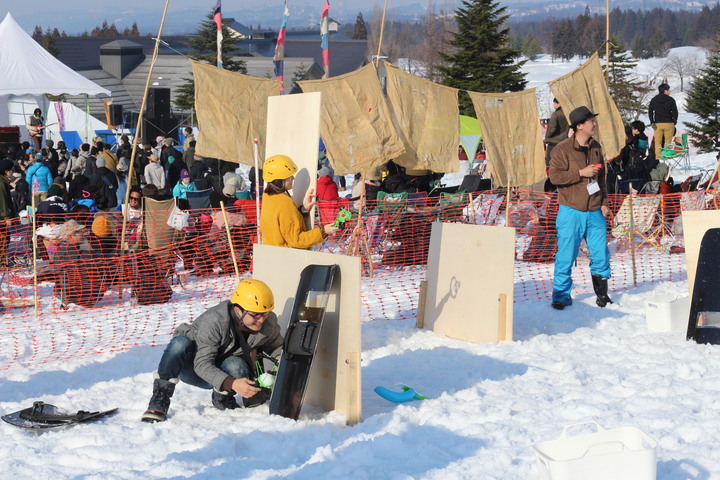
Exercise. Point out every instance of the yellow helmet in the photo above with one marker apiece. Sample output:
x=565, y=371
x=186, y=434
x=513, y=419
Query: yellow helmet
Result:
x=254, y=296
x=278, y=167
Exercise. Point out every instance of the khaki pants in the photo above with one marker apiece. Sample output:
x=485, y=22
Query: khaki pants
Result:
x=664, y=132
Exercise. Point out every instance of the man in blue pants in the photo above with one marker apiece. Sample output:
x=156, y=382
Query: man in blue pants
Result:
x=577, y=168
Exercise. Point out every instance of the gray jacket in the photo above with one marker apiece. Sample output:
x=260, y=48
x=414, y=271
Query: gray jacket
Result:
x=215, y=336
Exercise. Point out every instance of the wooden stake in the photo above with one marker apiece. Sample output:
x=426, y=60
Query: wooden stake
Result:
x=631, y=235
x=229, y=237
x=34, y=232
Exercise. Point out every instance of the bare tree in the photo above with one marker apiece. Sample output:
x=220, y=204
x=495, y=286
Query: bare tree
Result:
x=683, y=66
x=437, y=27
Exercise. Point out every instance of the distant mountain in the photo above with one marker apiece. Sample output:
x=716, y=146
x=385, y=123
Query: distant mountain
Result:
x=305, y=14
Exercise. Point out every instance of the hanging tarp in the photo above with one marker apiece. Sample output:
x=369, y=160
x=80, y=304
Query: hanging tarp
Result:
x=512, y=135
x=355, y=121
x=28, y=69
x=231, y=111
x=586, y=87
x=425, y=116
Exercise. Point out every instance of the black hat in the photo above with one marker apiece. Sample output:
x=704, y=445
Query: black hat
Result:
x=5, y=165
x=579, y=115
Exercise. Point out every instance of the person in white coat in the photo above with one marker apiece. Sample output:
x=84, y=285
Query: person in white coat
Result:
x=154, y=172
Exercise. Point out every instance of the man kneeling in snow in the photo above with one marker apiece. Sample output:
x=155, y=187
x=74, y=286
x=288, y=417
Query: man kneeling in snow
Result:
x=214, y=351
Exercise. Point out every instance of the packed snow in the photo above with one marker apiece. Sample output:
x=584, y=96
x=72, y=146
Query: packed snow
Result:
x=487, y=405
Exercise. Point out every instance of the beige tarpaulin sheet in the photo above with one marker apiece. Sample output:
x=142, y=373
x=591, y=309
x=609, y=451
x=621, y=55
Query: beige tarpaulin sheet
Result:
x=427, y=118
x=586, y=86
x=231, y=111
x=513, y=137
x=355, y=121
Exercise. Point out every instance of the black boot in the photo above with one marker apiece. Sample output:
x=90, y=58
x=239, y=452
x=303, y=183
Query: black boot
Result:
x=258, y=399
x=160, y=401
x=601, y=290
x=224, y=400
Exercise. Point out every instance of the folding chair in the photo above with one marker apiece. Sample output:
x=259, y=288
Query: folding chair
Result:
x=676, y=155
x=199, y=199
x=644, y=210
x=451, y=206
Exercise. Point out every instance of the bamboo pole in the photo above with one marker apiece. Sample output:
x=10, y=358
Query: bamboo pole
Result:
x=607, y=41
x=34, y=236
x=382, y=32
x=258, y=179
x=229, y=237
x=137, y=129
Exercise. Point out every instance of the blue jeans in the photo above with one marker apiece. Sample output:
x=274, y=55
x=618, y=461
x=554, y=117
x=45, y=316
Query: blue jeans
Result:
x=178, y=358
x=572, y=227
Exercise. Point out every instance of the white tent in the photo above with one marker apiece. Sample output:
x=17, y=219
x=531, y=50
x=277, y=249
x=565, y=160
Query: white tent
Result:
x=27, y=68
x=28, y=71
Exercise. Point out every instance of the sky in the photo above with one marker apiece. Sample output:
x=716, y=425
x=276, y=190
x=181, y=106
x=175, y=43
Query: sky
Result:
x=488, y=406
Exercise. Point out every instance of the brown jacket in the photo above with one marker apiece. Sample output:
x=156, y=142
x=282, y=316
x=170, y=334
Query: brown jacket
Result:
x=566, y=160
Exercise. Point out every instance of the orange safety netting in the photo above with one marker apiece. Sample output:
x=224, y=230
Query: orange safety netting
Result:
x=90, y=300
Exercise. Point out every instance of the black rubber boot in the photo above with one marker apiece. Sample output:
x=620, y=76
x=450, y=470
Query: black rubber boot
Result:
x=224, y=400
x=160, y=401
x=601, y=290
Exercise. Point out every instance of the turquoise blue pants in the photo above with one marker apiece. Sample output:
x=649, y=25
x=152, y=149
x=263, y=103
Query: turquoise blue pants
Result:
x=572, y=227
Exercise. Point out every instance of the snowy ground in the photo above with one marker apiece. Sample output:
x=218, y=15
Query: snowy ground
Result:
x=488, y=405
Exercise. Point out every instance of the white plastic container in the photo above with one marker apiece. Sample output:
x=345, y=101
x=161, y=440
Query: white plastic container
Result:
x=624, y=453
x=664, y=314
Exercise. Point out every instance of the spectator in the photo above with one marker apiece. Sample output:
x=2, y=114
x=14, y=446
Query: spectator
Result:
x=39, y=178
x=184, y=185
x=107, y=182
x=663, y=116
x=154, y=172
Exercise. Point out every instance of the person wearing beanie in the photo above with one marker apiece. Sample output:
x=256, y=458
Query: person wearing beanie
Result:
x=7, y=206
x=106, y=181
x=103, y=239
x=154, y=172
x=184, y=185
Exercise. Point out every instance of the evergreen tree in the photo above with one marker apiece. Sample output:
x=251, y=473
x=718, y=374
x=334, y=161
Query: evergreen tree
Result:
x=203, y=48
x=301, y=73
x=629, y=93
x=703, y=99
x=360, y=31
x=48, y=42
x=483, y=60
x=564, y=43
x=37, y=33
x=530, y=46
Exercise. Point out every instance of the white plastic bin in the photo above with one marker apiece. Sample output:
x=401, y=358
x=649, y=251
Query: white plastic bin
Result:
x=664, y=314
x=624, y=453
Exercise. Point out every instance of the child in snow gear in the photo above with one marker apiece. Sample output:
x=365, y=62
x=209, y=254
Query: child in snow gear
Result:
x=214, y=351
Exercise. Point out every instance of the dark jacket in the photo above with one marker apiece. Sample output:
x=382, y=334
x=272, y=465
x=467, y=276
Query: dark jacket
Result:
x=663, y=109
x=216, y=337
x=566, y=160
x=107, y=184
x=558, y=127
x=7, y=206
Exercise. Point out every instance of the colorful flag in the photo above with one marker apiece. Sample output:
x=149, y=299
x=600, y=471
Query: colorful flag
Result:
x=60, y=115
x=279, y=58
x=217, y=16
x=324, y=40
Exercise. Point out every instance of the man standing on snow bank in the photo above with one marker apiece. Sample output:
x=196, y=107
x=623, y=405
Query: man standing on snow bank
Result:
x=214, y=351
x=577, y=168
x=663, y=115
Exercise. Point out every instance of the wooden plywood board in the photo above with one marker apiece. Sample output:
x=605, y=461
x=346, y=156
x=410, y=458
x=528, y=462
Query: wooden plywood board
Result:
x=335, y=379
x=695, y=224
x=293, y=129
x=470, y=274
